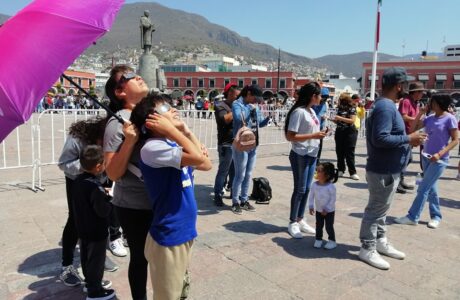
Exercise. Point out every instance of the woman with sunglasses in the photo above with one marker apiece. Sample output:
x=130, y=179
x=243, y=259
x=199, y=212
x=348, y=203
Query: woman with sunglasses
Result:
x=302, y=129
x=121, y=154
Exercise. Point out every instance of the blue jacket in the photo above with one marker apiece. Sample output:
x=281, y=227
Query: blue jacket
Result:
x=387, y=142
x=243, y=110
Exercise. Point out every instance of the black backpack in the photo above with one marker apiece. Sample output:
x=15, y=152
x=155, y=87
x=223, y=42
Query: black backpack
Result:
x=261, y=190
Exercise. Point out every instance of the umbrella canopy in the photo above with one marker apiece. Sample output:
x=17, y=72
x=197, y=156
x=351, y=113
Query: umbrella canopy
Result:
x=38, y=44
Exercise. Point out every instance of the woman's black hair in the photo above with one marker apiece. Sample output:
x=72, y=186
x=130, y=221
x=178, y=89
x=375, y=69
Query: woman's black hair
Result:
x=142, y=110
x=90, y=131
x=111, y=86
x=306, y=93
x=442, y=100
x=332, y=174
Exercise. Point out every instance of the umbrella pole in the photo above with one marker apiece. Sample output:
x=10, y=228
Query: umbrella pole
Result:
x=109, y=111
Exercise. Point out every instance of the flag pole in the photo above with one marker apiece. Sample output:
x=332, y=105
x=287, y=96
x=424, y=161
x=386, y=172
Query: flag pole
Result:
x=376, y=48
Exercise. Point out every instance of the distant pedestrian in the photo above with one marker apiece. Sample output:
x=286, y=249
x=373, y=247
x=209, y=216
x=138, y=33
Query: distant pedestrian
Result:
x=245, y=111
x=440, y=127
x=302, y=129
x=224, y=120
x=346, y=136
x=322, y=200
x=388, y=151
x=409, y=108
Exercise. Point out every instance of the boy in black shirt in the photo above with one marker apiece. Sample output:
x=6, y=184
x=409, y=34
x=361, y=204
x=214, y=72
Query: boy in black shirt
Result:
x=91, y=209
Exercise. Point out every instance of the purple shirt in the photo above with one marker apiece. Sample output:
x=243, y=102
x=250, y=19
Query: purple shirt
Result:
x=438, y=130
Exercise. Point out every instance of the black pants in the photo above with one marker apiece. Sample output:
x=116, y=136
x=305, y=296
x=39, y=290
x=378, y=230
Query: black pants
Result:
x=318, y=156
x=114, y=226
x=329, y=218
x=92, y=255
x=345, y=144
x=136, y=224
x=69, y=235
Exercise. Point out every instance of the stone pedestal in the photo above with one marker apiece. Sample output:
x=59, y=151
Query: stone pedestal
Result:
x=150, y=71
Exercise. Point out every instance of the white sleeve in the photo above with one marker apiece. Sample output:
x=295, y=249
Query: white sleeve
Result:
x=158, y=153
x=294, y=120
x=332, y=197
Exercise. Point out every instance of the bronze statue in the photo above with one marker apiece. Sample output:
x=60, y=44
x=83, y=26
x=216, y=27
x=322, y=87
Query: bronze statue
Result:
x=147, y=28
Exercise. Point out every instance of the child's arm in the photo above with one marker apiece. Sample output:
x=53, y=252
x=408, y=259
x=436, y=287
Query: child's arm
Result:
x=206, y=165
x=332, y=197
x=100, y=202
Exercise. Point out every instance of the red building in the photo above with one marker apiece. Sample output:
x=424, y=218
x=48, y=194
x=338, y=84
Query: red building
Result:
x=211, y=84
x=85, y=79
x=440, y=74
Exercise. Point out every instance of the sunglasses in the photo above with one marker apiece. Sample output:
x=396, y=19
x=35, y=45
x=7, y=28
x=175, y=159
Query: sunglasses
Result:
x=162, y=109
x=125, y=77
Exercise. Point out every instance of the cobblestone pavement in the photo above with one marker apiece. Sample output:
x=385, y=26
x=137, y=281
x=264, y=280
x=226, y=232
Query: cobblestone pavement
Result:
x=248, y=256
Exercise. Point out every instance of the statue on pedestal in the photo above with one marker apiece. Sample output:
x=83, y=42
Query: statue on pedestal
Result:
x=147, y=29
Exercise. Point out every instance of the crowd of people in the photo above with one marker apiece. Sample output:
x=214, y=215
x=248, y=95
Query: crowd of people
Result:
x=133, y=180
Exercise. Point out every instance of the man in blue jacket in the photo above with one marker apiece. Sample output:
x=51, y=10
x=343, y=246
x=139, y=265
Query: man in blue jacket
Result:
x=388, y=152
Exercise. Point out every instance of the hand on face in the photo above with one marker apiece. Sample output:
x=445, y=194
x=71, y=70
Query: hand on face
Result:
x=159, y=124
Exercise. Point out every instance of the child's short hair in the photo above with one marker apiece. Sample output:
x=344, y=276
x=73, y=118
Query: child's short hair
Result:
x=332, y=174
x=90, y=156
x=143, y=109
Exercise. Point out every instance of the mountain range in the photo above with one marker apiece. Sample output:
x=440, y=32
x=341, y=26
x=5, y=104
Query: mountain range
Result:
x=176, y=29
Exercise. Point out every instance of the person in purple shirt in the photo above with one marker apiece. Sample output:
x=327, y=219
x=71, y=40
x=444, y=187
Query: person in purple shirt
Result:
x=440, y=127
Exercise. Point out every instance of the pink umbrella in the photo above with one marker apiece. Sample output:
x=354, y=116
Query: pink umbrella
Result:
x=38, y=45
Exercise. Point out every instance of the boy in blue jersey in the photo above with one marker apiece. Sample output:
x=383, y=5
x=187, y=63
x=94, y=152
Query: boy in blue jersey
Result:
x=168, y=157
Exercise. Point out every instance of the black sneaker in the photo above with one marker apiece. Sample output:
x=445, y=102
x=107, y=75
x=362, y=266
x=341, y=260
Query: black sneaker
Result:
x=109, y=265
x=247, y=206
x=400, y=190
x=101, y=295
x=218, y=201
x=106, y=284
x=236, y=209
x=69, y=276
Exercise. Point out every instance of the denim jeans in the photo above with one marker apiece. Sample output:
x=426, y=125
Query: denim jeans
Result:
x=225, y=162
x=428, y=190
x=244, y=163
x=382, y=188
x=303, y=169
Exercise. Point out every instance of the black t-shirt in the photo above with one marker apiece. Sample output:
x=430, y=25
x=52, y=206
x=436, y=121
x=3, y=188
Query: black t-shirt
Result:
x=224, y=130
x=345, y=112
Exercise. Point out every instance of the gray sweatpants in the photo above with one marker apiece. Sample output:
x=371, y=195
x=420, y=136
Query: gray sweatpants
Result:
x=382, y=188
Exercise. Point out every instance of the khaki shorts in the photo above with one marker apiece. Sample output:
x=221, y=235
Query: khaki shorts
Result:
x=167, y=266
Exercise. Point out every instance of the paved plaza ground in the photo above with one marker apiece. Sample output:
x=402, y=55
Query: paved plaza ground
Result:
x=248, y=256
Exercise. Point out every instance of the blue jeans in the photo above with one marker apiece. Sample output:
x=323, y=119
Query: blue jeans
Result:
x=225, y=162
x=244, y=163
x=382, y=188
x=303, y=169
x=428, y=190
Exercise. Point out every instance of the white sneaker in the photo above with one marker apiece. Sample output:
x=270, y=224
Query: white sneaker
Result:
x=318, y=244
x=385, y=248
x=294, y=230
x=405, y=221
x=354, y=177
x=304, y=227
x=373, y=258
x=433, y=224
x=117, y=248
x=340, y=174
x=330, y=245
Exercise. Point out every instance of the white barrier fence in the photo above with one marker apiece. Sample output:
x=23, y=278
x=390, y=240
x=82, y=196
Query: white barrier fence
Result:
x=39, y=142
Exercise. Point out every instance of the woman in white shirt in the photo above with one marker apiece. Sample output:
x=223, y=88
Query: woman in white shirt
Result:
x=302, y=129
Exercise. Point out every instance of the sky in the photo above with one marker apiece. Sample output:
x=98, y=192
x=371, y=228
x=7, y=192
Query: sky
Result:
x=314, y=28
